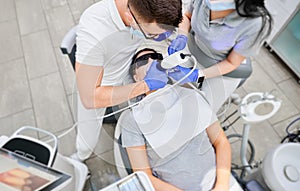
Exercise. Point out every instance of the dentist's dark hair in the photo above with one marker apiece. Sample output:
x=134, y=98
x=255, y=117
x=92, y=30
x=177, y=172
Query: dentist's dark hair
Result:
x=166, y=13
x=254, y=9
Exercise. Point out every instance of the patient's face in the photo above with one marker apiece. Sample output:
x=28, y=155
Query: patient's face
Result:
x=141, y=71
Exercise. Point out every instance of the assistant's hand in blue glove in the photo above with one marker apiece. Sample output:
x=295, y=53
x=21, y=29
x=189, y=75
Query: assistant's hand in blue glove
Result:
x=177, y=44
x=178, y=72
x=155, y=78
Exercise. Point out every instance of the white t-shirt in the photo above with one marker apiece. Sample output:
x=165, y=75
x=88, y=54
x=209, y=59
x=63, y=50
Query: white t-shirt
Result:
x=104, y=40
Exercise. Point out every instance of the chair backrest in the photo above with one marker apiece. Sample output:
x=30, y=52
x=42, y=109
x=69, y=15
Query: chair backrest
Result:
x=68, y=45
x=121, y=157
x=32, y=148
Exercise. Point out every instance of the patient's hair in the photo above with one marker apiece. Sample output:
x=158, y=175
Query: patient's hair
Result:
x=166, y=13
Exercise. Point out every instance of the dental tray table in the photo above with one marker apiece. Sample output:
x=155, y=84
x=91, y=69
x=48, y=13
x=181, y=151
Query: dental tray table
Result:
x=20, y=173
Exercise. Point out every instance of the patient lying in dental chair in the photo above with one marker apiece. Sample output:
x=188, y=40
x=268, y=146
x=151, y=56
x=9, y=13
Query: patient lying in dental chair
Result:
x=174, y=136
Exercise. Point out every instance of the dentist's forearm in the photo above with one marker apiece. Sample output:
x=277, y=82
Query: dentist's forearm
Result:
x=113, y=95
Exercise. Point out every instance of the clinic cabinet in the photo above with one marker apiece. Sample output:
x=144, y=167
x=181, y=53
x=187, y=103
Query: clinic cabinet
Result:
x=285, y=37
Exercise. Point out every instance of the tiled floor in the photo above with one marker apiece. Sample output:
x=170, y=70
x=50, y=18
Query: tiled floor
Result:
x=37, y=82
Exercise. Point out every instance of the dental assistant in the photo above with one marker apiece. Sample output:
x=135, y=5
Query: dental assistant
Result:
x=108, y=34
x=222, y=34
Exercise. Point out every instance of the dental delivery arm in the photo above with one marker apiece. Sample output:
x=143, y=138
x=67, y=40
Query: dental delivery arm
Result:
x=139, y=162
x=93, y=95
x=223, y=156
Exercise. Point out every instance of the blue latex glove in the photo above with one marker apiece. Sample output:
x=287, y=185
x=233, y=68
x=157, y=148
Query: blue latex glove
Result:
x=155, y=78
x=177, y=44
x=178, y=72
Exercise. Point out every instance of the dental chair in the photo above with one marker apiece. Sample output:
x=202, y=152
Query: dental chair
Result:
x=68, y=47
x=120, y=154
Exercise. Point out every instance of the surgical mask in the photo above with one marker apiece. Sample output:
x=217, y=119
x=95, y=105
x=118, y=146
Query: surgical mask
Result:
x=220, y=5
x=163, y=36
x=136, y=32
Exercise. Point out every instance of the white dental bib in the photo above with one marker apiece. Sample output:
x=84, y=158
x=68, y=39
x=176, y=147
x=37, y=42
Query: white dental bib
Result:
x=172, y=116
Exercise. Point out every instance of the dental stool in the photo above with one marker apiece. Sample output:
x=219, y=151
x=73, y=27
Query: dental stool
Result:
x=243, y=71
x=68, y=47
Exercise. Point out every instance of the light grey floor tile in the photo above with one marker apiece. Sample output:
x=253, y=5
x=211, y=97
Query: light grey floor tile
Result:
x=13, y=122
x=10, y=43
x=7, y=10
x=78, y=6
x=105, y=142
x=39, y=54
x=259, y=80
x=50, y=103
x=60, y=21
x=292, y=90
x=15, y=93
x=280, y=128
x=286, y=110
x=46, y=4
x=103, y=173
x=66, y=71
x=262, y=135
x=272, y=65
x=30, y=16
x=241, y=91
x=264, y=138
x=66, y=143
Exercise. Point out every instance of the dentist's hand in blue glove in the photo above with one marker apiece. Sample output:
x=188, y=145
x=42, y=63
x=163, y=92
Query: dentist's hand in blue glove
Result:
x=177, y=44
x=155, y=78
x=179, y=72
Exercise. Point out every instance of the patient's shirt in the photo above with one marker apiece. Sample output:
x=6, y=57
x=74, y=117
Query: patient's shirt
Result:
x=190, y=167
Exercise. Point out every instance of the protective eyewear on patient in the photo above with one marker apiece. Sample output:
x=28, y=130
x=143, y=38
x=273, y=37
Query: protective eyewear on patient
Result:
x=156, y=37
x=143, y=60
